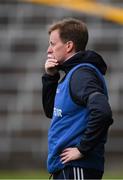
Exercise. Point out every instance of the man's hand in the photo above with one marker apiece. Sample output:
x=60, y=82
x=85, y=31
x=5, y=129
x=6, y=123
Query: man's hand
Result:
x=50, y=65
x=70, y=154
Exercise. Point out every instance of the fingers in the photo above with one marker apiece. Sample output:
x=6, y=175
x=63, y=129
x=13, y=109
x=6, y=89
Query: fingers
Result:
x=67, y=149
x=51, y=59
x=65, y=160
x=51, y=63
x=70, y=154
x=66, y=156
x=50, y=66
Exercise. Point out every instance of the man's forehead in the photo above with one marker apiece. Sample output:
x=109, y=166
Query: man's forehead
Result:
x=56, y=31
x=54, y=35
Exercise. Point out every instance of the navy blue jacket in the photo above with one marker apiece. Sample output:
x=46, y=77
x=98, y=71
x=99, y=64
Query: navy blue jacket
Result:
x=86, y=91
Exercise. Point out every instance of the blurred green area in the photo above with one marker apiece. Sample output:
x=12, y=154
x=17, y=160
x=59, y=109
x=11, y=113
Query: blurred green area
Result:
x=42, y=174
x=24, y=174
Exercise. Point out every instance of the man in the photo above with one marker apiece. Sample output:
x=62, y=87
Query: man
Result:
x=78, y=104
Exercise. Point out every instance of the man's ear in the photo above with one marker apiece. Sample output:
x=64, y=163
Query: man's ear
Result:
x=70, y=46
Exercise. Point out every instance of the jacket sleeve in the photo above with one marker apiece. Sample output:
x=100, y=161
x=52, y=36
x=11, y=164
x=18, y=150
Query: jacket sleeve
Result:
x=50, y=84
x=87, y=90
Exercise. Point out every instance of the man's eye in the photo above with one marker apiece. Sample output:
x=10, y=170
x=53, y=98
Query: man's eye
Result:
x=52, y=44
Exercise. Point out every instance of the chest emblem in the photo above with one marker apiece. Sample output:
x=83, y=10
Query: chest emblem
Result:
x=57, y=112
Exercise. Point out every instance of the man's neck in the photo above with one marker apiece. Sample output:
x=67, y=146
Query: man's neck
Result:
x=71, y=56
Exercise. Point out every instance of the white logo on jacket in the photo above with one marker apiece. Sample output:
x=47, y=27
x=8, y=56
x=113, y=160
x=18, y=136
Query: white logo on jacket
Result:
x=57, y=112
x=58, y=90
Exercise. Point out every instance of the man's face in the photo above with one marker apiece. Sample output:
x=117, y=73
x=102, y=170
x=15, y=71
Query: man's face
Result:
x=57, y=49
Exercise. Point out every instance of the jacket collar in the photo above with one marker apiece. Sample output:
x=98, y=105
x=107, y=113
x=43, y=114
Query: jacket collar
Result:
x=84, y=57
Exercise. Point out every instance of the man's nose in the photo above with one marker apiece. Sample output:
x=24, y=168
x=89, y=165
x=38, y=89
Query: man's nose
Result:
x=49, y=50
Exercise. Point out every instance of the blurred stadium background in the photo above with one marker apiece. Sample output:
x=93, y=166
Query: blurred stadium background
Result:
x=23, y=45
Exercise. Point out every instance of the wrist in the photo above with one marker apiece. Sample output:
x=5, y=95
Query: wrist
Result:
x=80, y=151
x=51, y=73
x=54, y=77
